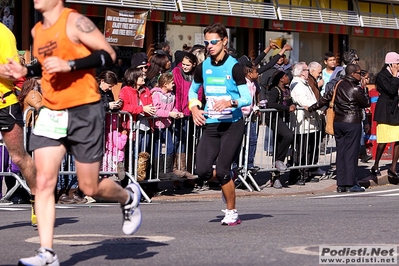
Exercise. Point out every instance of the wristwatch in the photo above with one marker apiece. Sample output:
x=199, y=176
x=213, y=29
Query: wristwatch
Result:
x=233, y=103
x=72, y=65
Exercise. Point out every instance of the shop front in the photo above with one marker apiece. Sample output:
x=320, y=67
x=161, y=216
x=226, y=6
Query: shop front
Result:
x=309, y=40
x=155, y=20
x=187, y=29
x=372, y=44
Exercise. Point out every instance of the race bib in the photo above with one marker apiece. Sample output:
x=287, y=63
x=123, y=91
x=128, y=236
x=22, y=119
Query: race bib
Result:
x=225, y=114
x=52, y=124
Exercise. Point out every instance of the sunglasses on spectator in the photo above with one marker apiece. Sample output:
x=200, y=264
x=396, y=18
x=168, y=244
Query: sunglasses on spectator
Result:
x=143, y=67
x=213, y=42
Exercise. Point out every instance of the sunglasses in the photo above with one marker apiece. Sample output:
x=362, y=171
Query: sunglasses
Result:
x=143, y=67
x=213, y=42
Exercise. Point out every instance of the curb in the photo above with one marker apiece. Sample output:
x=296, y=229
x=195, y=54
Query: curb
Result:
x=369, y=181
x=374, y=181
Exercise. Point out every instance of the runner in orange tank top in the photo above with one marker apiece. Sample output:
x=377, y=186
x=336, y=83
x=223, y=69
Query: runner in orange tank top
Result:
x=69, y=47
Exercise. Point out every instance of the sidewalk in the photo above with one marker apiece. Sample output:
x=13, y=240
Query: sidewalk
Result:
x=326, y=185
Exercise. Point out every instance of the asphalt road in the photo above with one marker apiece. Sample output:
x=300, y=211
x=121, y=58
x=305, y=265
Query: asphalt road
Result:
x=275, y=230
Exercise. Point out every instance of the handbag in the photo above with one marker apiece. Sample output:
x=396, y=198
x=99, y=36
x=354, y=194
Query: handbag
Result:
x=330, y=113
x=142, y=165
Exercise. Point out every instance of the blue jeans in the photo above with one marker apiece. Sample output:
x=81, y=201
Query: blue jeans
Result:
x=66, y=182
x=143, y=139
x=268, y=144
x=163, y=135
x=253, y=140
x=181, y=127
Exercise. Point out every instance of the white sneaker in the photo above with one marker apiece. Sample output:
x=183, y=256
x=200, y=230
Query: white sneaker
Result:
x=4, y=202
x=44, y=257
x=230, y=217
x=89, y=200
x=131, y=212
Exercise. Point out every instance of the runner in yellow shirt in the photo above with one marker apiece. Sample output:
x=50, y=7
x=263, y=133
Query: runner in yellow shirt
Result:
x=11, y=119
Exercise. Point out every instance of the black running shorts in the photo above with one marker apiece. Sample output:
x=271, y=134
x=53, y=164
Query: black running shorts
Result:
x=9, y=116
x=85, y=134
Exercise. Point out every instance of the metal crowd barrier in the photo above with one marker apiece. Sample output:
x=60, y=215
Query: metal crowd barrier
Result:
x=139, y=144
x=267, y=140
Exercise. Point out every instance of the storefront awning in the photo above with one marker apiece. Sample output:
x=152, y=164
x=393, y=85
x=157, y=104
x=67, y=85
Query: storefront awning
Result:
x=375, y=32
x=229, y=8
x=307, y=27
x=165, y=5
x=99, y=11
x=228, y=21
x=318, y=15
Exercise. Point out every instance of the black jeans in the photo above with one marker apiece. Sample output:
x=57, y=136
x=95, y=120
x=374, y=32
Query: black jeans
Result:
x=219, y=142
x=307, y=149
x=285, y=137
x=347, y=138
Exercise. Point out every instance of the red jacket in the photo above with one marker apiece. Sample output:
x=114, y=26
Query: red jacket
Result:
x=133, y=101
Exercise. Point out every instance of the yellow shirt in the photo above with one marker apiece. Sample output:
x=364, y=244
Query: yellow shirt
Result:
x=8, y=49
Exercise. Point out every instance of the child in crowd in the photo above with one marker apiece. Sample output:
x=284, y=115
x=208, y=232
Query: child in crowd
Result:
x=164, y=102
x=115, y=140
x=183, y=75
x=251, y=75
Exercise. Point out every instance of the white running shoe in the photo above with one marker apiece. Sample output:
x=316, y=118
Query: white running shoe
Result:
x=44, y=257
x=89, y=199
x=131, y=211
x=230, y=217
x=4, y=202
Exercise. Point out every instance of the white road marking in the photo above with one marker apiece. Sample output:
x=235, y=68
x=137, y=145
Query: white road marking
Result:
x=64, y=206
x=357, y=194
x=12, y=209
x=389, y=195
x=302, y=250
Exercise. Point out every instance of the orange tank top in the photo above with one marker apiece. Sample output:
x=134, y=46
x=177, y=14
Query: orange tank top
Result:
x=63, y=90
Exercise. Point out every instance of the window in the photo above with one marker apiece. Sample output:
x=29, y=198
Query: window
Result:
x=339, y=4
x=376, y=8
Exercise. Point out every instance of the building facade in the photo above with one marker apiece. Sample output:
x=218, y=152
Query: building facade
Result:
x=312, y=27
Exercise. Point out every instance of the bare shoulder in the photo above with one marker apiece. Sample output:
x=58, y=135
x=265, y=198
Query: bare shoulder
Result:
x=81, y=22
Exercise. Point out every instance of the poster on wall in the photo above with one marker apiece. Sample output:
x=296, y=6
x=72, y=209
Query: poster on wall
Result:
x=125, y=28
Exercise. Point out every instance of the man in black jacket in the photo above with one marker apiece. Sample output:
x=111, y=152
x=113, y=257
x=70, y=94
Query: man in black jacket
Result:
x=349, y=101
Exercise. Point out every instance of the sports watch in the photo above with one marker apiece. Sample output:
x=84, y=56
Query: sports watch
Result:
x=233, y=103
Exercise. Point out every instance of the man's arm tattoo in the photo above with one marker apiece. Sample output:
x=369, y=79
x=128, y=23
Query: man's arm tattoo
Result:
x=85, y=25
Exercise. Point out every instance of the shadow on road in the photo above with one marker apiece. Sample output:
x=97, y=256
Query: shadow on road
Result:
x=243, y=217
x=117, y=249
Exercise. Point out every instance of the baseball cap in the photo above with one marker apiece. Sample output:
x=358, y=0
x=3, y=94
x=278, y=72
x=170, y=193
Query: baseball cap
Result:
x=139, y=59
x=245, y=61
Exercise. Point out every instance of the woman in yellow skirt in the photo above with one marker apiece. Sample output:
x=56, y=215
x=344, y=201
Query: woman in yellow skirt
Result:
x=387, y=114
